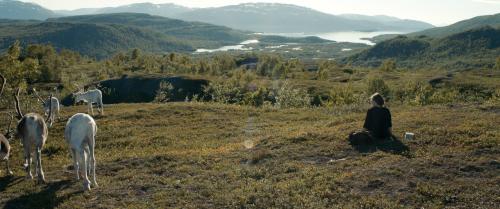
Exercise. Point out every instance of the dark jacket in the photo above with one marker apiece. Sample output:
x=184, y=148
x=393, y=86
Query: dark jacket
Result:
x=378, y=121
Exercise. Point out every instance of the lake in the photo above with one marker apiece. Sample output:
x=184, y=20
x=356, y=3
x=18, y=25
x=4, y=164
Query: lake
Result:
x=347, y=36
x=242, y=46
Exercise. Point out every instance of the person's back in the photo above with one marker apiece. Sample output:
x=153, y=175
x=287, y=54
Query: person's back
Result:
x=378, y=122
x=378, y=119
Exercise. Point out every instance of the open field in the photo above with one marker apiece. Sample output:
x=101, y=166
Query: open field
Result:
x=203, y=155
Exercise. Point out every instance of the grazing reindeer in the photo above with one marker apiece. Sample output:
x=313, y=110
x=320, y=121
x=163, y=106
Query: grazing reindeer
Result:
x=47, y=105
x=80, y=134
x=32, y=130
x=4, y=139
x=91, y=96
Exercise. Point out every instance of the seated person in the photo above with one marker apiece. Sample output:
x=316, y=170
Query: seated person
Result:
x=378, y=120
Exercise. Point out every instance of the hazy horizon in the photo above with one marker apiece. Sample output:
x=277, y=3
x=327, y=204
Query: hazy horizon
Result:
x=437, y=13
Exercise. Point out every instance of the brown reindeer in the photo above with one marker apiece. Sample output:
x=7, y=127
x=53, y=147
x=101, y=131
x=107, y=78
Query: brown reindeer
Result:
x=33, y=132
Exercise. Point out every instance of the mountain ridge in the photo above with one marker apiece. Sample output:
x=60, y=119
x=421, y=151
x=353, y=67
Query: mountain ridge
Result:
x=264, y=17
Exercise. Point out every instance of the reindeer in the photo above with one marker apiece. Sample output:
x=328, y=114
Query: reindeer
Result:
x=90, y=97
x=4, y=139
x=47, y=104
x=80, y=134
x=33, y=132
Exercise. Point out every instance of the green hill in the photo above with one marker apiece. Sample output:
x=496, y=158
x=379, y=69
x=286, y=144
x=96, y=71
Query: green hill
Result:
x=94, y=40
x=103, y=35
x=199, y=34
x=462, y=26
x=473, y=48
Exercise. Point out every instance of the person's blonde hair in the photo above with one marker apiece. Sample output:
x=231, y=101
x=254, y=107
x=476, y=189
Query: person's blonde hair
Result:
x=377, y=98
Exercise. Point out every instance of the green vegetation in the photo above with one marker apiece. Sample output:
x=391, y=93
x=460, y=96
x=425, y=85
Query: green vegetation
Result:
x=268, y=130
x=101, y=36
x=211, y=155
x=196, y=33
x=471, y=49
x=462, y=26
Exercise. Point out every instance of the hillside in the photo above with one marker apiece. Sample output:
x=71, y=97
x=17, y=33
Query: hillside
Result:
x=11, y=9
x=474, y=48
x=192, y=155
x=284, y=18
x=94, y=40
x=197, y=33
x=462, y=26
x=392, y=23
x=103, y=35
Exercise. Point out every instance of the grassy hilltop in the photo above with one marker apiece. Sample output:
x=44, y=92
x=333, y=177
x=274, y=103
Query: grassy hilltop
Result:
x=262, y=129
x=199, y=155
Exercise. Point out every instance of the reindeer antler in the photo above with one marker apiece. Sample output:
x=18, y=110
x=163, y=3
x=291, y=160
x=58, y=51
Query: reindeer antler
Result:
x=50, y=109
x=10, y=123
x=38, y=97
x=18, y=108
x=4, y=81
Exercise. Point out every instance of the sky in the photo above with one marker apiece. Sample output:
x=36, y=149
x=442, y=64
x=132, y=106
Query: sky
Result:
x=437, y=12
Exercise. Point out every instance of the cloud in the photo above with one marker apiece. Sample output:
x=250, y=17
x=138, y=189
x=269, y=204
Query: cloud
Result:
x=489, y=1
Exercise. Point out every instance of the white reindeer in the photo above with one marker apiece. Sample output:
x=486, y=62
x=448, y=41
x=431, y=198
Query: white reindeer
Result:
x=80, y=134
x=33, y=132
x=90, y=97
x=47, y=105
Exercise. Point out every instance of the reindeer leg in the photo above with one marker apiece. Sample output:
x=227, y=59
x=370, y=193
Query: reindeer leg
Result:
x=82, y=158
x=75, y=163
x=9, y=172
x=91, y=109
x=27, y=161
x=92, y=162
x=41, y=176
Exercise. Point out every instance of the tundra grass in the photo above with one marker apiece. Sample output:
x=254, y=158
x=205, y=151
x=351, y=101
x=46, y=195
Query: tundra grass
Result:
x=202, y=155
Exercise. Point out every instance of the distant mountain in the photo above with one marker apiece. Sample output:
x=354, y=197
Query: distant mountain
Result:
x=478, y=47
x=268, y=17
x=165, y=10
x=391, y=22
x=83, y=11
x=462, y=26
x=284, y=18
x=10, y=9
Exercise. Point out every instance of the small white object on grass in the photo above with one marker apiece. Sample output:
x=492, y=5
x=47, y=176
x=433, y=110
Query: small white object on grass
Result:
x=409, y=136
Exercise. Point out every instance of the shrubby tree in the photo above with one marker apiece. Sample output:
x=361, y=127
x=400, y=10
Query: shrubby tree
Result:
x=378, y=85
x=136, y=53
x=287, y=96
x=388, y=65
x=164, y=92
